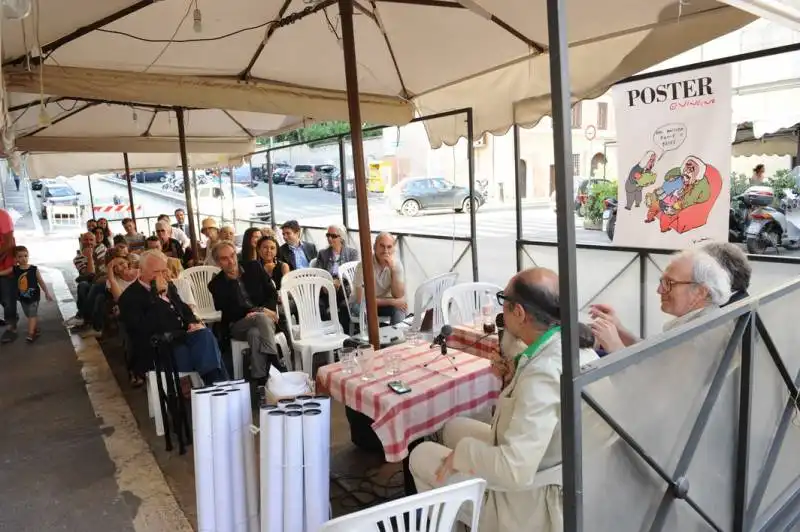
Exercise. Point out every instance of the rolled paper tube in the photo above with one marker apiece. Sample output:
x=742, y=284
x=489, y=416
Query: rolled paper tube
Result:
x=221, y=439
x=271, y=441
x=314, y=455
x=238, y=483
x=203, y=459
x=293, y=513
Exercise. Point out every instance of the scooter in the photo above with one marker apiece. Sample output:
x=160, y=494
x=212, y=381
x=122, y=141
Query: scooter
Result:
x=769, y=227
x=610, y=217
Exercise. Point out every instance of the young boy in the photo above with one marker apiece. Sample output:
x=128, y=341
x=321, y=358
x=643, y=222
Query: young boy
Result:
x=29, y=288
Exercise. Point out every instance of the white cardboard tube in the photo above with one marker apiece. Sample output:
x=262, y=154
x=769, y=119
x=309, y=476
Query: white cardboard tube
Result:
x=293, y=514
x=221, y=438
x=271, y=445
x=203, y=459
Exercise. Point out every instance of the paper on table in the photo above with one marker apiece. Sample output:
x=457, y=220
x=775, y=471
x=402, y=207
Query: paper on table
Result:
x=203, y=459
x=221, y=439
x=316, y=484
x=293, y=515
x=271, y=440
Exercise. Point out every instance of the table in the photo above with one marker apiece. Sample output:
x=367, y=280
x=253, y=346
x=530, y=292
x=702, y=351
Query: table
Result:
x=474, y=341
x=438, y=393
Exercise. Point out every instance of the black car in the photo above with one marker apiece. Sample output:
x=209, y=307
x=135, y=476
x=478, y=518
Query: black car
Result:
x=36, y=184
x=280, y=173
x=150, y=177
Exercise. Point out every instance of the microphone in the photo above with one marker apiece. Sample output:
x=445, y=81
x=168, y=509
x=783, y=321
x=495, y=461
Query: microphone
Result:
x=441, y=339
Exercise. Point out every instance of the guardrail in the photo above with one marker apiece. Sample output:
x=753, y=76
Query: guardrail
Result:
x=703, y=424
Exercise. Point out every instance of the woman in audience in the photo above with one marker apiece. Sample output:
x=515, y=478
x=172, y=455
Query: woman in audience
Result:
x=268, y=257
x=337, y=252
x=183, y=285
x=268, y=231
x=101, y=237
x=250, y=245
x=122, y=273
x=693, y=285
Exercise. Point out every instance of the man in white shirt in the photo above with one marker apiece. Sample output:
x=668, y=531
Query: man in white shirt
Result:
x=390, y=289
x=176, y=233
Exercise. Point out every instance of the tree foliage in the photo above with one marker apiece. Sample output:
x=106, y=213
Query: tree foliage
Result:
x=317, y=131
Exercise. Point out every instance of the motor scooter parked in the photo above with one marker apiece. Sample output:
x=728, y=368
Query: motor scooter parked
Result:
x=768, y=227
x=610, y=217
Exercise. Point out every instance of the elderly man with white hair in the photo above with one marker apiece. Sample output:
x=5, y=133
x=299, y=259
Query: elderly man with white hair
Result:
x=693, y=285
x=390, y=288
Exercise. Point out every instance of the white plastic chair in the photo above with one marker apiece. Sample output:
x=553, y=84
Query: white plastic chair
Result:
x=199, y=277
x=307, y=272
x=429, y=296
x=347, y=274
x=460, y=303
x=436, y=509
x=238, y=347
x=312, y=334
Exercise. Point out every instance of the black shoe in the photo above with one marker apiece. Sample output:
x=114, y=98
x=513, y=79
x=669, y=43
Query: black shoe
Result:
x=8, y=336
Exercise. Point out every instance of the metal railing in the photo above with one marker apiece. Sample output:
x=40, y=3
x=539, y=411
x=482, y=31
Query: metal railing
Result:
x=703, y=417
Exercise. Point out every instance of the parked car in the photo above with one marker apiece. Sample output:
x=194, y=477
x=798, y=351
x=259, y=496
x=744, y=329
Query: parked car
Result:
x=150, y=177
x=308, y=175
x=329, y=173
x=55, y=193
x=280, y=172
x=416, y=194
x=36, y=184
x=351, y=184
x=213, y=199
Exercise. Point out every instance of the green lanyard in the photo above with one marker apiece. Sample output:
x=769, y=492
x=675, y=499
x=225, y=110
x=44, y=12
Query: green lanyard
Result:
x=532, y=349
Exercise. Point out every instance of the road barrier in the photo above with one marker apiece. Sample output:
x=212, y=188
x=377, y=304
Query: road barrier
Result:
x=112, y=209
x=64, y=216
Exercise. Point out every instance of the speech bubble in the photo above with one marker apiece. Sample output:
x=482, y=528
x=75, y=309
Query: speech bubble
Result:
x=669, y=137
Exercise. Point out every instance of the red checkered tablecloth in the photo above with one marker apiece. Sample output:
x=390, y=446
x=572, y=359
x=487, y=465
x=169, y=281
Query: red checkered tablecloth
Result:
x=474, y=341
x=438, y=393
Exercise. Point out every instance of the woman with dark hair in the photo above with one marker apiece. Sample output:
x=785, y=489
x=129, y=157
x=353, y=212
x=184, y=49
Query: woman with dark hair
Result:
x=758, y=175
x=250, y=245
x=267, y=249
x=101, y=236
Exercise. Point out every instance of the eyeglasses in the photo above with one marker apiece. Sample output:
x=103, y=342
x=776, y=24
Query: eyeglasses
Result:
x=502, y=299
x=331, y=235
x=666, y=285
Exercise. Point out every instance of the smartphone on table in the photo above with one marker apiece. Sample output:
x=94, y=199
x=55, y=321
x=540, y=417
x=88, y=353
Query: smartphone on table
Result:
x=399, y=387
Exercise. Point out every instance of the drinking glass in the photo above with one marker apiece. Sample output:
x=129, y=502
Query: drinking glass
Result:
x=413, y=338
x=366, y=359
x=393, y=358
x=348, y=360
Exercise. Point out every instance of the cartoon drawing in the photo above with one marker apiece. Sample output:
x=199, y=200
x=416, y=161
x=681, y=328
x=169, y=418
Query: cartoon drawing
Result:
x=640, y=176
x=684, y=200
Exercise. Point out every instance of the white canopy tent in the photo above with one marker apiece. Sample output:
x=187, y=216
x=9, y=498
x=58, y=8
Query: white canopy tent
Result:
x=284, y=57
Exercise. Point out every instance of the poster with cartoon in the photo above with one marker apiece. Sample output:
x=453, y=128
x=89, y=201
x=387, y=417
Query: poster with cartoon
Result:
x=674, y=153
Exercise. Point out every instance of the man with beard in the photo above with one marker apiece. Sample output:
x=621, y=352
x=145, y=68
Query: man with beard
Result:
x=524, y=437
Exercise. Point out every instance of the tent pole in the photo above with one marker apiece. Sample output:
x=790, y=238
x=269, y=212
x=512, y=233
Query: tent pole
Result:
x=196, y=195
x=271, y=191
x=473, y=223
x=343, y=182
x=233, y=196
x=187, y=189
x=91, y=196
x=565, y=218
x=130, y=188
x=351, y=77
x=518, y=177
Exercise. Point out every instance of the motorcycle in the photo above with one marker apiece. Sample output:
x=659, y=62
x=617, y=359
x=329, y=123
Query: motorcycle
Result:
x=610, y=217
x=769, y=227
x=481, y=191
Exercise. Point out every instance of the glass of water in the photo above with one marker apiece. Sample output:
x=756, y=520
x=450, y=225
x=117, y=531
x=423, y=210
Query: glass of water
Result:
x=366, y=359
x=413, y=338
x=392, y=359
x=347, y=357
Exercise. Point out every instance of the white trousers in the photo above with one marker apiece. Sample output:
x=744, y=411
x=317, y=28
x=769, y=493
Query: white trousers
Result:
x=426, y=457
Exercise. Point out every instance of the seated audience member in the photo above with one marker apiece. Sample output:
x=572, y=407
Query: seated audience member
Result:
x=90, y=225
x=734, y=261
x=174, y=232
x=152, y=242
x=171, y=247
x=152, y=307
x=227, y=234
x=30, y=286
x=183, y=286
x=268, y=231
x=120, y=246
x=390, y=289
x=134, y=239
x=250, y=245
x=121, y=274
x=103, y=223
x=268, y=257
x=693, y=285
x=91, y=265
x=329, y=259
x=211, y=232
x=525, y=436
x=296, y=253
x=101, y=237
x=180, y=222
x=248, y=302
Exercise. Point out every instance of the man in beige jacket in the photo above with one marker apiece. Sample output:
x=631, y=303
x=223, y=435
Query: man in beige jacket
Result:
x=519, y=454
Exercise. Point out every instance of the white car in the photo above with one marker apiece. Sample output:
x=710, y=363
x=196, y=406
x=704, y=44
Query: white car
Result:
x=56, y=193
x=216, y=200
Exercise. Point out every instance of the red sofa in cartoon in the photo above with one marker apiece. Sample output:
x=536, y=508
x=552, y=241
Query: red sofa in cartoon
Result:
x=702, y=184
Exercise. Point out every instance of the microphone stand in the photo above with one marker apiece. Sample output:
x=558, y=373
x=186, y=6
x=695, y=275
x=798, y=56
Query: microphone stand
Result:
x=442, y=352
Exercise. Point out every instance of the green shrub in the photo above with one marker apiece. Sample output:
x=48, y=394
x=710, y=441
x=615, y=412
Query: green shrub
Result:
x=780, y=182
x=739, y=183
x=597, y=195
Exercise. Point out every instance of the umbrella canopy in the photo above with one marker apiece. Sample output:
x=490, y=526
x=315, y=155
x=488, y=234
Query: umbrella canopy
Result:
x=44, y=165
x=284, y=56
x=783, y=142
